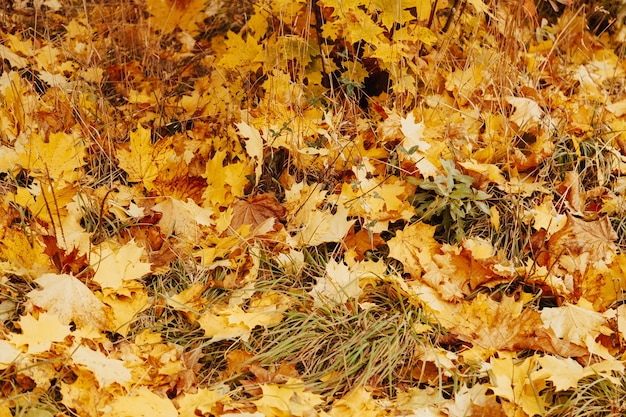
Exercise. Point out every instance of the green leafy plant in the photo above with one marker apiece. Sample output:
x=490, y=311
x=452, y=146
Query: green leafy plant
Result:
x=449, y=201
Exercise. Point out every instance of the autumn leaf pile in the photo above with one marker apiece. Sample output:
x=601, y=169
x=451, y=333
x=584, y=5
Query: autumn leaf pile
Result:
x=312, y=208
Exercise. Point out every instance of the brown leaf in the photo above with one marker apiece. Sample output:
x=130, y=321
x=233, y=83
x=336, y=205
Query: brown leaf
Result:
x=256, y=210
x=597, y=238
x=65, y=262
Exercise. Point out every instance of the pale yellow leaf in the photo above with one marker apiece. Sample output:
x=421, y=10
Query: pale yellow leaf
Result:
x=38, y=334
x=254, y=146
x=107, y=371
x=202, y=401
x=8, y=354
x=140, y=403
x=68, y=299
x=114, y=264
x=339, y=284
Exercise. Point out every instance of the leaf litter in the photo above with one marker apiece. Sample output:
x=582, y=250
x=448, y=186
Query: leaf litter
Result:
x=312, y=208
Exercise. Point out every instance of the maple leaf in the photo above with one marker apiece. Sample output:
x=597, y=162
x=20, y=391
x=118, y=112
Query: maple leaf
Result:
x=233, y=322
x=357, y=402
x=595, y=238
x=140, y=403
x=185, y=219
x=202, y=401
x=254, y=147
x=123, y=304
x=114, y=264
x=224, y=182
x=546, y=217
x=339, y=284
x=289, y=399
x=38, y=334
x=493, y=325
x=167, y=15
x=22, y=256
x=189, y=301
x=394, y=12
x=381, y=201
x=565, y=373
x=578, y=324
x=58, y=157
x=511, y=380
x=317, y=227
x=527, y=112
x=144, y=160
x=256, y=210
x=242, y=53
x=84, y=393
x=107, y=371
x=68, y=299
x=416, y=148
x=9, y=354
x=414, y=247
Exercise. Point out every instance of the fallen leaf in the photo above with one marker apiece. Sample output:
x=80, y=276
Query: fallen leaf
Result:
x=107, y=371
x=337, y=285
x=114, y=264
x=256, y=210
x=140, y=403
x=69, y=299
x=38, y=334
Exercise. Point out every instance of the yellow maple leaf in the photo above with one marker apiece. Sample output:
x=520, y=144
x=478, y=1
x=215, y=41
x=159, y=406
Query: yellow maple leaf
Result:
x=418, y=150
x=38, y=334
x=23, y=257
x=46, y=200
x=144, y=160
x=167, y=15
x=84, y=394
x=578, y=324
x=511, y=380
x=189, y=301
x=185, y=219
x=58, y=157
x=107, y=371
x=234, y=323
x=8, y=354
x=140, y=403
x=124, y=304
x=241, y=53
x=490, y=325
x=202, y=401
x=225, y=182
x=254, y=146
x=527, y=112
x=285, y=400
x=317, y=226
x=358, y=402
x=379, y=200
x=565, y=373
x=546, y=217
x=414, y=247
x=339, y=284
x=361, y=28
x=595, y=238
x=394, y=12
x=114, y=263
x=69, y=299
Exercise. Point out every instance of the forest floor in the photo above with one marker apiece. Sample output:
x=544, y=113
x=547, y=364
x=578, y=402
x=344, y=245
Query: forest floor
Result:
x=295, y=208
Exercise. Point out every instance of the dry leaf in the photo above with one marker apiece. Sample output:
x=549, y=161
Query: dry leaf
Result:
x=577, y=237
x=256, y=210
x=70, y=300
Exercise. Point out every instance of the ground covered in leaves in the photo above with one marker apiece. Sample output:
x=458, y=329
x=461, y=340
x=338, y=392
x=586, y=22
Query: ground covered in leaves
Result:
x=330, y=208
